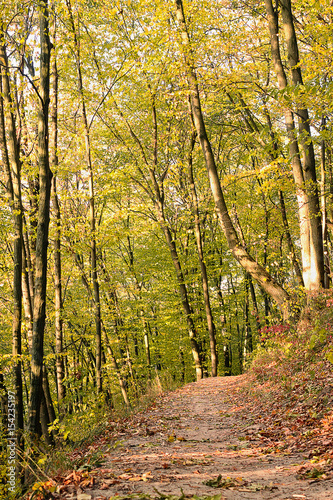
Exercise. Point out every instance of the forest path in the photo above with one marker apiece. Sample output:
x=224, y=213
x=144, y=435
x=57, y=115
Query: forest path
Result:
x=194, y=435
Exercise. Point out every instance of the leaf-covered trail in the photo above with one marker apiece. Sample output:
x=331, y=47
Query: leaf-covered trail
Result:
x=200, y=433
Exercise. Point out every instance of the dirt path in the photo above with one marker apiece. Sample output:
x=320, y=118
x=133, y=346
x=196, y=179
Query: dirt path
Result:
x=193, y=436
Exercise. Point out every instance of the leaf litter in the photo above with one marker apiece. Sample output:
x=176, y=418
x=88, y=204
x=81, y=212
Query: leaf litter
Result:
x=226, y=436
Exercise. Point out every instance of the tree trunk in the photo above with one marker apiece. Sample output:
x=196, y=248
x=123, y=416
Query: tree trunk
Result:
x=3, y=407
x=312, y=258
x=196, y=351
x=27, y=296
x=203, y=269
x=42, y=226
x=309, y=163
x=248, y=340
x=11, y=160
x=58, y=302
x=122, y=383
x=323, y=195
x=92, y=218
x=114, y=363
x=290, y=244
x=264, y=279
x=47, y=396
x=254, y=303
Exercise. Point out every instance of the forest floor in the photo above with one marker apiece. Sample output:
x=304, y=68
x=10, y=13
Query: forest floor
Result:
x=212, y=439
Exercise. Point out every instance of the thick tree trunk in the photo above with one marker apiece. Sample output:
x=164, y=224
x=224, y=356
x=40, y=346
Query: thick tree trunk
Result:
x=305, y=178
x=43, y=225
x=263, y=278
x=308, y=157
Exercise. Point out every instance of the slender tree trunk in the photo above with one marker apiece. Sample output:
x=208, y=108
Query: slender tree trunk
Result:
x=29, y=269
x=112, y=303
x=47, y=396
x=264, y=279
x=115, y=366
x=324, y=206
x=58, y=302
x=254, y=303
x=290, y=244
x=196, y=351
x=92, y=218
x=11, y=160
x=248, y=341
x=114, y=363
x=146, y=340
x=45, y=421
x=27, y=296
x=138, y=285
x=159, y=205
x=203, y=269
x=156, y=194
x=43, y=225
x=273, y=155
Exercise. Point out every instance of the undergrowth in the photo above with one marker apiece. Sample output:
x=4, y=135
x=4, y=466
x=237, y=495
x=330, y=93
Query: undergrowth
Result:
x=292, y=379
x=305, y=350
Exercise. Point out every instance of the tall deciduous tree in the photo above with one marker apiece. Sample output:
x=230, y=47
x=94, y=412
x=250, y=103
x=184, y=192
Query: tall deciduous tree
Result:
x=12, y=164
x=92, y=216
x=54, y=162
x=304, y=172
x=267, y=282
x=39, y=310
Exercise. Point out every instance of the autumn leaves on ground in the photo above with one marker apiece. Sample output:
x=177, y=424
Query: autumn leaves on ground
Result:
x=263, y=435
